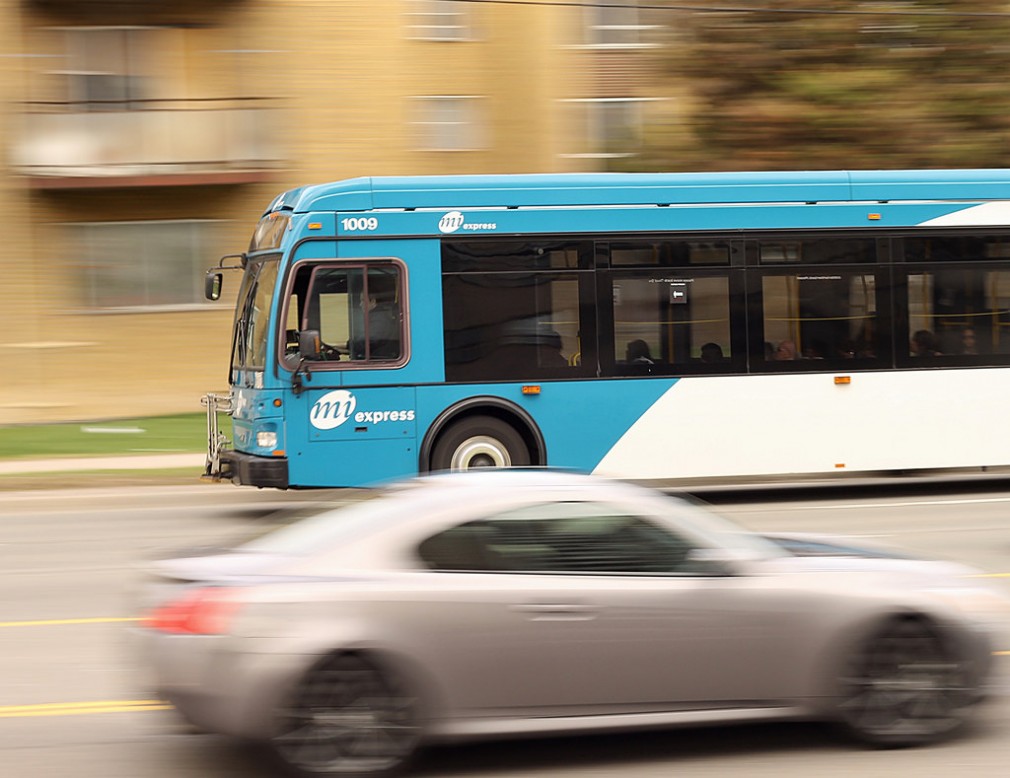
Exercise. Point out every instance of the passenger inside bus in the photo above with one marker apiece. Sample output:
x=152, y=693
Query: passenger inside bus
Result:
x=549, y=349
x=525, y=346
x=865, y=345
x=786, y=350
x=924, y=344
x=969, y=342
x=637, y=353
x=711, y=354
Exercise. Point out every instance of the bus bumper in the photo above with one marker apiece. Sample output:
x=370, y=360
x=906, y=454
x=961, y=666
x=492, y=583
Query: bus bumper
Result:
x=249, y=470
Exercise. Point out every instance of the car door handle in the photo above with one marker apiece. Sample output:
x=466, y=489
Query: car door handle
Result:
x=556, y=611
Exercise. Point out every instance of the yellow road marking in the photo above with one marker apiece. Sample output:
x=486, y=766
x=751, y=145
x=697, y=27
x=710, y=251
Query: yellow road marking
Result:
x=80, y=708
x=62, y=622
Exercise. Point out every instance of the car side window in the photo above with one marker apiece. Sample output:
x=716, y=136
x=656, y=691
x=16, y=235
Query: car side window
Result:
x=560, y=537
x=468, y=547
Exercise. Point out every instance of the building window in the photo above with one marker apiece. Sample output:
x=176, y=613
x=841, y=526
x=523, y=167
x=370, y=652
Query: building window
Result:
x=439, y=20
x=614, y=25
x=449, y=123
x=107, y=68
x=141, y=264
x=611, y=126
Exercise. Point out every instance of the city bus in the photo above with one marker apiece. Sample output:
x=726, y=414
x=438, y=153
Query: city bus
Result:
x=667, y=328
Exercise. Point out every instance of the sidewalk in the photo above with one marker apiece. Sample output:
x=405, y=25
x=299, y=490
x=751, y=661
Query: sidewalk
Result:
x=73, y=464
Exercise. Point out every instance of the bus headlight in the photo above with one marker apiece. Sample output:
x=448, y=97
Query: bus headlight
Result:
x=266, y=439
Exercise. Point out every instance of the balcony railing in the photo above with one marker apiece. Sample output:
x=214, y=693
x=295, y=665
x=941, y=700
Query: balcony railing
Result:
x=61, y=145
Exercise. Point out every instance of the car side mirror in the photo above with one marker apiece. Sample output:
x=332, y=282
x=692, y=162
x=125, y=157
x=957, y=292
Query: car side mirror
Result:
x=309, y=344
x=212, y=283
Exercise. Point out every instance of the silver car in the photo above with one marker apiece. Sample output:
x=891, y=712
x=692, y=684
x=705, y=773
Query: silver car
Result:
x=509, y=603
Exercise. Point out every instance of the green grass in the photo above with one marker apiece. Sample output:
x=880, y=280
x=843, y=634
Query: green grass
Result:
x=156, y=435
x=86, y=479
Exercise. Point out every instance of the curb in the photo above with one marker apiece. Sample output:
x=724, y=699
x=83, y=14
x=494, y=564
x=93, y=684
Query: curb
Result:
x=137, y=462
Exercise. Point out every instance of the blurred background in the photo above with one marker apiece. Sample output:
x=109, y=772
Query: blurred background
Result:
x=140, y=139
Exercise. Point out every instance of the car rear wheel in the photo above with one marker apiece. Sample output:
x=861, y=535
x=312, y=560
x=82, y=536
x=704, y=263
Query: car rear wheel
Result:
x=480, y=441
x=905, y=686
x=348, y=718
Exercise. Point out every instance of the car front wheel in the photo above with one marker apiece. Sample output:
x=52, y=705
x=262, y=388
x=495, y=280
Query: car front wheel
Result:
x=904, y=686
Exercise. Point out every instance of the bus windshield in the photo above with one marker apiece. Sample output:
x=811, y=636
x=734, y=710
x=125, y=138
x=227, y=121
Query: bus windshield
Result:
x=252, y=320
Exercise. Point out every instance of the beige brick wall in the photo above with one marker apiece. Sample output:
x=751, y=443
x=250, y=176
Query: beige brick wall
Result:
x=346, y=77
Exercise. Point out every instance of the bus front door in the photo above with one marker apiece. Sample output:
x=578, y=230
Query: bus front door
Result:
x=351, y=437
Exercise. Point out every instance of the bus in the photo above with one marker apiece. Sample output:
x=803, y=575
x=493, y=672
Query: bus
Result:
x=669, y=328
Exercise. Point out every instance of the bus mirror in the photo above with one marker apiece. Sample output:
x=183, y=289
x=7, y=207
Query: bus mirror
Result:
x=309, y=344
x=212, y=285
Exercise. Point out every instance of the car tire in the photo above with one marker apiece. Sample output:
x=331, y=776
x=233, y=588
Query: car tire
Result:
x=348, y=717
x=479, y=441
x=904, y=686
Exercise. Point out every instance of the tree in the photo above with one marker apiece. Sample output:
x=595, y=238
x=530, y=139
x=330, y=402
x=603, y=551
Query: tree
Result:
x=820, y=84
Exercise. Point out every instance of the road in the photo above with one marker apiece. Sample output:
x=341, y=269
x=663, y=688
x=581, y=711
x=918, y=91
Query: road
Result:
x=72, y=701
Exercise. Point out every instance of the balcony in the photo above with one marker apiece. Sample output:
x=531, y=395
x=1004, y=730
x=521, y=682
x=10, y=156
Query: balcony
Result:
x=148, y=143
x=138, y=9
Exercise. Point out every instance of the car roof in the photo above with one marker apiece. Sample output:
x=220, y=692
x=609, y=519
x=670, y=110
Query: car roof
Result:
x=484, y=480
x=506, y=476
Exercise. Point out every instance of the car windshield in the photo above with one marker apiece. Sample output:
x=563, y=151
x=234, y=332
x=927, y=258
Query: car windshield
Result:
x=326, y=528
x=702, y=521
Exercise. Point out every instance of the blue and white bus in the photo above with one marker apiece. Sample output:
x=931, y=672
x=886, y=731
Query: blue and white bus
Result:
x=656, y=327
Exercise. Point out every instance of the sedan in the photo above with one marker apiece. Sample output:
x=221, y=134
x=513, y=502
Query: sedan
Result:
x=519, y=602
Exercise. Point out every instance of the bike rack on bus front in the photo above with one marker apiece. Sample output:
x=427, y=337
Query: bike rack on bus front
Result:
x=217, y=441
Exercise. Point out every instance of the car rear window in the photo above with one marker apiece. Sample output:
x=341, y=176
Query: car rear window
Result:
x=327, y=529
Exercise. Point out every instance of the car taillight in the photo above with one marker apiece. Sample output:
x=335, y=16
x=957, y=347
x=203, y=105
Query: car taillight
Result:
x=207, y=611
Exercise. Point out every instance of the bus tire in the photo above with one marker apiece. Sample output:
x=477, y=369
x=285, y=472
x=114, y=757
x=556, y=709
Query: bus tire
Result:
x=479, y=441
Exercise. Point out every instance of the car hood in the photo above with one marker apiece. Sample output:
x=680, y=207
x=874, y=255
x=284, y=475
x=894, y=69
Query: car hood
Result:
x=896, y=566
x=809, y=544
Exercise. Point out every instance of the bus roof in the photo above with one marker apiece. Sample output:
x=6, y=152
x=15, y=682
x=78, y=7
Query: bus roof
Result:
x=588, y=189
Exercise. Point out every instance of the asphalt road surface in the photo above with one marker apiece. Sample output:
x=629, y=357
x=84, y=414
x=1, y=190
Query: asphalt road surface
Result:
x=72, y=700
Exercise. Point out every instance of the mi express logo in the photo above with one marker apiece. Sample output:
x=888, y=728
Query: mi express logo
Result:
x=455, y=220
x=336, y=407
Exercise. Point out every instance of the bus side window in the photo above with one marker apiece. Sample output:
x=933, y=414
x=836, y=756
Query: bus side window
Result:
x=672, y=324
x=513, y=326
x=356, y=310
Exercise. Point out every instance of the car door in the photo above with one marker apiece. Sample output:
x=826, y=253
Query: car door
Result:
x=583, y=608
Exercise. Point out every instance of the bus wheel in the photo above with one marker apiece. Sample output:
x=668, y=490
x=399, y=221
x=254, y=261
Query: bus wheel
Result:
x=479, y=441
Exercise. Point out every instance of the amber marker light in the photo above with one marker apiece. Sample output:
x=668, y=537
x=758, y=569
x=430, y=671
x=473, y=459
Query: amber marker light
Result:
x=873, y=217
x=842, y=380
x=278, y=403
x=531, y=389
x=278, y=452
x=315, y=225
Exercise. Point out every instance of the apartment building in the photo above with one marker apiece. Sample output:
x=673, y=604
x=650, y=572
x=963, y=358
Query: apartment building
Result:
x=141, y=141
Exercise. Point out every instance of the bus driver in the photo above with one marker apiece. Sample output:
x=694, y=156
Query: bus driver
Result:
x=383, y=317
